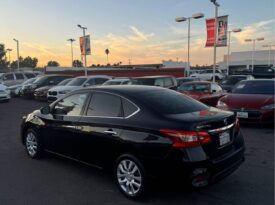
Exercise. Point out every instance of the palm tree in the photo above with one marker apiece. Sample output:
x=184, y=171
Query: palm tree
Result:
x=107, y=53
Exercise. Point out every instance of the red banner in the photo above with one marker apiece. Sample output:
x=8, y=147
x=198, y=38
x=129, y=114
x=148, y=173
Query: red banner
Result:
x=221, y=30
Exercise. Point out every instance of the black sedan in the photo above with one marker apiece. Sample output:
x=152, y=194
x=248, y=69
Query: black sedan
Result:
x=140, y=132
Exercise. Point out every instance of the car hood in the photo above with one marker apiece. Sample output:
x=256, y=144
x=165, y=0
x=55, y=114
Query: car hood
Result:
x=15, y=86
x=248, y=101
x=63, y=88
x=3, y=87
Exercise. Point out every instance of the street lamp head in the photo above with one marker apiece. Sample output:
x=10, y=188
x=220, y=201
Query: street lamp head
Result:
x=248, y=40
x=236, y=30
x=215, y=2
x=15, y=40
x=71, y=39
x=260, y=39
x=79, y=25
x=180, y=19
x=197, y=15
x=9, y=49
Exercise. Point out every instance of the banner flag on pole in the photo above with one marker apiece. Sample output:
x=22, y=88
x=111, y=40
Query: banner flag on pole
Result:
x=85, y=46
x=222, y=31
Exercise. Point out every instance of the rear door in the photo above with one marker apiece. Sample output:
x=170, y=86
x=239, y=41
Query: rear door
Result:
x=99, y=129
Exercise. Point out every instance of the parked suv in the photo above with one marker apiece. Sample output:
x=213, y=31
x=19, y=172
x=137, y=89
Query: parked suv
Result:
x=161, y=81
x=79, y=82
x=42, y=81
x=208, y=75
x=14, y=78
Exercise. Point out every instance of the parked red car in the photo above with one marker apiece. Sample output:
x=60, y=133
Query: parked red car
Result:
x=251, y=100
x=207, y=92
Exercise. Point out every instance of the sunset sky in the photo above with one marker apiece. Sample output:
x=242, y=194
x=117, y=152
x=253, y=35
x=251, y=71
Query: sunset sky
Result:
x=141, y=30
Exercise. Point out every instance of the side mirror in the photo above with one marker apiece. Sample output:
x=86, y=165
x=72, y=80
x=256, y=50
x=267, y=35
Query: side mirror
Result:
x=45, y=110
x=86, y=84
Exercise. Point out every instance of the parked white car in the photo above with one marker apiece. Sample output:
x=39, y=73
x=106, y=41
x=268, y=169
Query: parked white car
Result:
x=79, y=82
x=15, y=78
x=208, y=75
x=4, y=93
x=15, y=89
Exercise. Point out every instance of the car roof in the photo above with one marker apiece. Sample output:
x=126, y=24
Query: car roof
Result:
x=95, y=76
x=152, y=77
x=198, y=82
x=118, y=79
x=259, y=80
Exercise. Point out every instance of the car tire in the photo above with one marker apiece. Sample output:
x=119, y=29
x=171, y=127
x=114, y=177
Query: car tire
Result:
x=130, y=176
x=32, y=144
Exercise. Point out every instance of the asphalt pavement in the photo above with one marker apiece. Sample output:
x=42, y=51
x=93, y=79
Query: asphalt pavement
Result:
x=54, y=180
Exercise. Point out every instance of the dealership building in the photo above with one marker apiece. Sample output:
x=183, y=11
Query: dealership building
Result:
x=242, y=60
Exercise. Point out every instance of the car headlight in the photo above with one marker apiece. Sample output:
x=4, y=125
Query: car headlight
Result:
x=268, y=107
x=221, y=104
x=63, y=92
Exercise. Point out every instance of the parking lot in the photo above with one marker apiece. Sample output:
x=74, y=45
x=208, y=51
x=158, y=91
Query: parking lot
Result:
x=54, y=180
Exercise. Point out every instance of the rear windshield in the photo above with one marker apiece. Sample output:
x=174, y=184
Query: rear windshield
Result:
x=146, y=81
x=77, y=82
x=170, y=102
x=254, y=87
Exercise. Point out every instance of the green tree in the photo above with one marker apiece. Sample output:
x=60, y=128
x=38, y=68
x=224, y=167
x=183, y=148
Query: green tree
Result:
x=77, y=63
x=53, y=63
x=3, y=61
x=25, y=62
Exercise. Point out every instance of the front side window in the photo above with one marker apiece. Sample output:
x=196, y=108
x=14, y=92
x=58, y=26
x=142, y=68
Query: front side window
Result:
x=29, y=75
x=71, y=105
x=100, y=81
x=104, y=105
x=159, y=82
x=168, y=82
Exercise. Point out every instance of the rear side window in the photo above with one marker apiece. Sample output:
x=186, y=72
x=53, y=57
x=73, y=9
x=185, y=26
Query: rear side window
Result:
x=104, y=105
x=128, y=108
x=29, y=75
x=168, y=82
x=19, y=76
x=159, y=82
x=170, y=102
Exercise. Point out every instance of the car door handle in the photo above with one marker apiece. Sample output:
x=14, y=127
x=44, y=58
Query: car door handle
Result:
x=110, y=132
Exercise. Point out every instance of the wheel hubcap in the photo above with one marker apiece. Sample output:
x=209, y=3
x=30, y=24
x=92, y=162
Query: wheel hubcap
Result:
x=31, y=144
x=129, y=177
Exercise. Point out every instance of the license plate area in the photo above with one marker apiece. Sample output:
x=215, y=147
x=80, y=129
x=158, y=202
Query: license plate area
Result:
x=224, y=138
x=242, y=114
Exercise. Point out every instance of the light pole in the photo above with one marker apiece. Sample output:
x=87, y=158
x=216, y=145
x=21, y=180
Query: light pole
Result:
x=228, y=48
x=216, y=4
x=107, y=51
x=17, y=43
x=253, y=50
x=269, y=53
x=72, y=52
x=85, y=59
x=181, y=19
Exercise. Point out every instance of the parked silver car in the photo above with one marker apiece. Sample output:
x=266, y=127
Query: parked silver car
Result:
x=14, y=78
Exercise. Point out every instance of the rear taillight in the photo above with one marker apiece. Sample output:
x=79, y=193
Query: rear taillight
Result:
x=237, y=126
x=183, y=139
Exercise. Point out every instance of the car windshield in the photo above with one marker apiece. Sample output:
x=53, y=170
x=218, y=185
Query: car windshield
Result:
x=195, y=87
x=64, y=82
x=31, y=80
x=232, y=80
x=40, y=79
x=254, y=87
x=77, y=82
x=112, y=82
x=170, y=102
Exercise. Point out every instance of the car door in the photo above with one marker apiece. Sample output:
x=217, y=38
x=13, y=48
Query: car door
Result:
x=99, y=129
x=61, y=128
x=9, y=79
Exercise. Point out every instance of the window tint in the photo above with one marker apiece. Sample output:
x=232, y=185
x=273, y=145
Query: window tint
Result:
x=70, y=106
x=186, y=87
x=100, y=81
x=128, y=108
x=104, y=105
x=19, y=76
x=29, y=75
x=170, y=102
x=9, y=77
x=90, y=82
x=159, y=82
